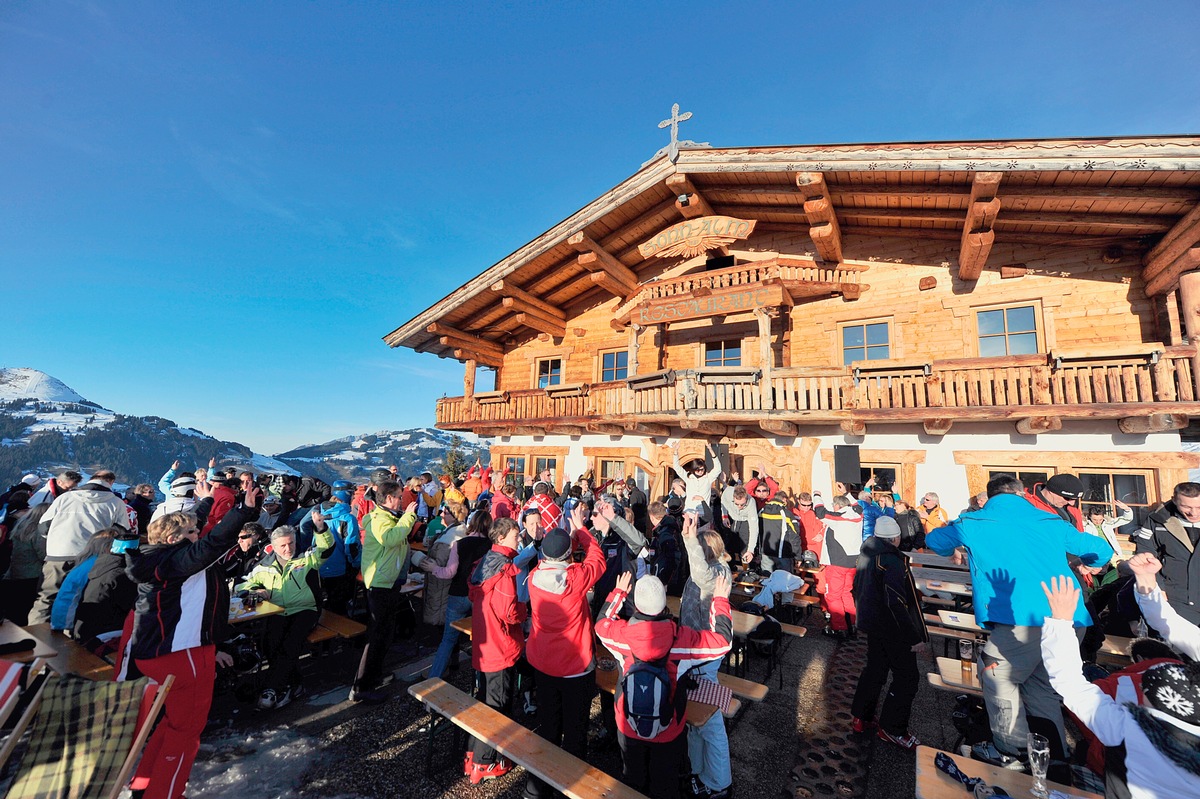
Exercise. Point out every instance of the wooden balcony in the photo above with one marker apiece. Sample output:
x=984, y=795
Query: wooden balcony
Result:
x=1148, y=387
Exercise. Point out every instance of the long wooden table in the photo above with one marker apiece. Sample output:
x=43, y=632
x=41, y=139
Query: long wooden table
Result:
x=933, y=784
x=10, y=633
x=70, y=657
x=261, y=610
x=935, y=561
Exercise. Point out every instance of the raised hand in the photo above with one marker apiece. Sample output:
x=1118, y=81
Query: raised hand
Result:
x=689, y=524
x=412, y=508
x=175, y=466
x=318, y=518
x=212, y=464
x=578, y=517
x=1145, y=566
x=1063, y=596
x=253, y=498
x=624, y=583
x=722, y=585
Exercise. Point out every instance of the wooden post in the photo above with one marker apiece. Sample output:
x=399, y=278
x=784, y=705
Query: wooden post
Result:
x=469, y=381
x=766, y=357
x=634, y=331
x=1189, y=297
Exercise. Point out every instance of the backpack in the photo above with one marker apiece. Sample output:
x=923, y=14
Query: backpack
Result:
x=649, y=698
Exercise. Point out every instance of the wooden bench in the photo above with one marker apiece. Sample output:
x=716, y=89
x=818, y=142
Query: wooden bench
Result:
x=340, y=625
x=320, y=635
x=562, y=771
x=70, y=657
x=937, y=682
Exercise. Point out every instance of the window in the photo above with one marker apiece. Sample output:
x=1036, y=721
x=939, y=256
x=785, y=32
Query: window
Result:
x=1007, y=331
x=542, y=464
x=1028, y=478
x=549, y=372
x=516, y=471
x=866, y=341
x=611, y=470
x=723, y=353
x=1103, y=488
x=614, y=365
x=885, y=475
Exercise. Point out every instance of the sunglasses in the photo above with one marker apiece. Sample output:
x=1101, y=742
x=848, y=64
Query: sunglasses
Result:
x=806, y=504
x=245, y=537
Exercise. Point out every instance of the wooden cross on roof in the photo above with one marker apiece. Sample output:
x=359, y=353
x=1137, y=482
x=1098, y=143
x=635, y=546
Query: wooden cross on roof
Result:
x=672, y=149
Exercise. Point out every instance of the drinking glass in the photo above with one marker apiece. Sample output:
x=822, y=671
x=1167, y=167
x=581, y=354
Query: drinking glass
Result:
x=1039, y=761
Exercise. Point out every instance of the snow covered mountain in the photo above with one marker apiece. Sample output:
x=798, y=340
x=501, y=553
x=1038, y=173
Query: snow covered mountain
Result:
x=354, y=457
x=45, y=427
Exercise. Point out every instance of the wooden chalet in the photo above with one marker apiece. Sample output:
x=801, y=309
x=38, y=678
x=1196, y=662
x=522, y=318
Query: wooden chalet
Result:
x=956, y=309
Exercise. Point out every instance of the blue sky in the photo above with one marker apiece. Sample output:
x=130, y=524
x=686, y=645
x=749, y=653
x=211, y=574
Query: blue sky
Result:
x=214, y=211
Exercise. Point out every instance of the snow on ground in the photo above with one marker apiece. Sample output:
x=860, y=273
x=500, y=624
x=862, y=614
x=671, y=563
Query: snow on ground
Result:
x=69, y=422
x=25, y=383
x=187, y=431
x=263, y=764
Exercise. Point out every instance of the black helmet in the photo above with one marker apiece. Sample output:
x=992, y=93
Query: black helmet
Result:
x=380, y=475
x=809, y=559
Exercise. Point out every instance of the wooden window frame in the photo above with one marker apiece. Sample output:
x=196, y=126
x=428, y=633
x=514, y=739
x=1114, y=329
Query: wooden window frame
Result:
x=841, y=347
x=600, y=364
x=906, y=459
x=501, y=453
x=702, y=359
x=1164, y=469
x=1039, y=323
x=537, y=370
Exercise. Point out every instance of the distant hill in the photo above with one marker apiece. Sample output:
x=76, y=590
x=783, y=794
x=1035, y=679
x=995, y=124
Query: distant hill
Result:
x=46, y=427
x=354, y=457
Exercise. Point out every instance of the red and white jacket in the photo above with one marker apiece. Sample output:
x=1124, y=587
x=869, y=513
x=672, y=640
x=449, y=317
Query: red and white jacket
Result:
x=561, y=636
x=654, y=639
x=549, y=511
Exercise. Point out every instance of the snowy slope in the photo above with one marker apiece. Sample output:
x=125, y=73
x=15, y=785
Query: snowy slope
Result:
x=25, y=383
x=45, y=426
x=354, y=457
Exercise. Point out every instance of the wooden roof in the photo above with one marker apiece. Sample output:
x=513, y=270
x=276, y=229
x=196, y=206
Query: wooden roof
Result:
x=1141, y=193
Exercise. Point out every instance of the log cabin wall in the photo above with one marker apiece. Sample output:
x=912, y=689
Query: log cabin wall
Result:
x=1080, y=302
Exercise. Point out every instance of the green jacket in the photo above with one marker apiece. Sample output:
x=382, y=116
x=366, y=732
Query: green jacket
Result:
x=295, y=585
x=385, y=547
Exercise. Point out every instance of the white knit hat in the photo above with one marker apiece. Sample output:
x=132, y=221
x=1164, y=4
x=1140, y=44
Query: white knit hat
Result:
x=649, y=596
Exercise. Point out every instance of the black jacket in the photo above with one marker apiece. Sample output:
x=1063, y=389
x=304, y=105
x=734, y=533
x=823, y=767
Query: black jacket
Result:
x=1174, y=542
x=912, y=531
x=107, y=598
x=885, y=596
x=182, y=603
x=670, y=565
x=778, y=532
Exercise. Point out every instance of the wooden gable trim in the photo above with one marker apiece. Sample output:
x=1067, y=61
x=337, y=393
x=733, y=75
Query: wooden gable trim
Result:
x=680, y=185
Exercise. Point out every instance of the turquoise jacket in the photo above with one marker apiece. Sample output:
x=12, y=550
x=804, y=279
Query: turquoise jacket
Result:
x=1014, y=548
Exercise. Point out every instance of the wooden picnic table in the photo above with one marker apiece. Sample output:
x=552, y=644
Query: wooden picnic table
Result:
x=960, y=620
x=70, y=657
x=942, y=575
x=950, y=670
x=933, y=784
x=938, y=586
x=10, y=633
x=743, y=623
x=935, y=561
x=260, y=611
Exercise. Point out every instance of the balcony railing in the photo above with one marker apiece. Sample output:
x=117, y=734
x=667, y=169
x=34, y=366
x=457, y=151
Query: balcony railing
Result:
x=1076, y=385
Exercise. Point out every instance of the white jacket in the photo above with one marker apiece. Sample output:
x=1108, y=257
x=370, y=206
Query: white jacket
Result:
x=1150, y=775
x=77, y=515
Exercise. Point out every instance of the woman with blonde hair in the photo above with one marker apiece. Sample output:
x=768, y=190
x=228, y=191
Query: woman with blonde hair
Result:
x=708, y=745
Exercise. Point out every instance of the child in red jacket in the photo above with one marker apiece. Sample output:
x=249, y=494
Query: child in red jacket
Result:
x=497, y=637
x=652, y=638
x=561, y=638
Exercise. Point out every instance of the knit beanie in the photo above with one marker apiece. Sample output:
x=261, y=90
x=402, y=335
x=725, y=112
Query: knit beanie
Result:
x=649, y=596
x=886, y=527
x=556, y=545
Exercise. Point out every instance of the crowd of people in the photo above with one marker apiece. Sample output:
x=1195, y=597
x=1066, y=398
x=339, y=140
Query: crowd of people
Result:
x=559, y=580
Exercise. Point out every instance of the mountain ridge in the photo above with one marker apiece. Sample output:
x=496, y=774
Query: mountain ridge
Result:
x=46, y=427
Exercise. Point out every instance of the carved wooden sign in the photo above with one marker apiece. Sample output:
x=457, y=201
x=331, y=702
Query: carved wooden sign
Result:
x=715, y=302
x=694, y=236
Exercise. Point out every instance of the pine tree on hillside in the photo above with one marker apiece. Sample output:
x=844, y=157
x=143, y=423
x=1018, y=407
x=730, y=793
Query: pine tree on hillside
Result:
x=455, y=462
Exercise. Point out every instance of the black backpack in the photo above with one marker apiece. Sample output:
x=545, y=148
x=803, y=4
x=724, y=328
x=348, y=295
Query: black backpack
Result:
x=650, y=699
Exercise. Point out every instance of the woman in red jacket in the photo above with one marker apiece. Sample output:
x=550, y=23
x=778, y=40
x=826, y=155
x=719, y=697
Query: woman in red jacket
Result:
x=497, y=637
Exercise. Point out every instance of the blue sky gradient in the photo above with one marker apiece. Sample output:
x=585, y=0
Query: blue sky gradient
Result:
x=214, y=211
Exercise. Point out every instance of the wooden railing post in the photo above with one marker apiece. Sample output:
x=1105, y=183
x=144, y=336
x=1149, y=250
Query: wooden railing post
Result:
x=1189, y=299
x=766, y=356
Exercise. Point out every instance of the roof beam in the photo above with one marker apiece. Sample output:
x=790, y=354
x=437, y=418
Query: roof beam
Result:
x=556, y=329
x=1168, y=259
x=613, y=287
x=962, y=192
x=1167, y=279
x=823, y=225
x=485, y=359
x=506, y=288
x=977, y=235
x=681, y=186
x=520, y=306
x=595, y=258
x=465, y=340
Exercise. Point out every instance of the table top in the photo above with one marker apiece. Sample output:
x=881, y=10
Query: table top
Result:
x=935, y=561
x=938, y=586
x=950, y=670
x=960, y=620
x=743, y=623
x=70, y=657
x=933, y=784
x=261, y=611
x=10, y=633
x=944, y=575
